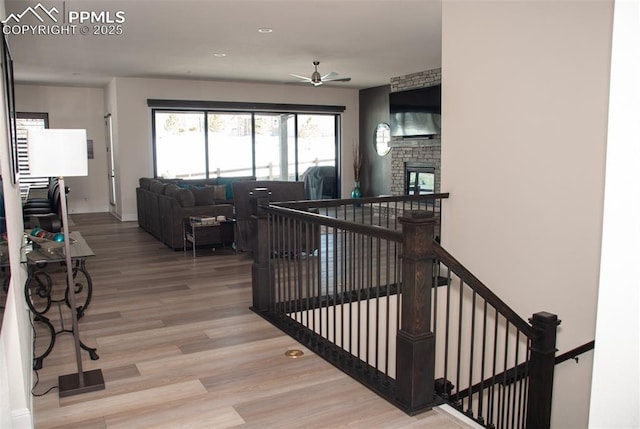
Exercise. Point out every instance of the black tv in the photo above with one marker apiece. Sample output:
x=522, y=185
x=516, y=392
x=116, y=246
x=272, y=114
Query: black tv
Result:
x=415, y=112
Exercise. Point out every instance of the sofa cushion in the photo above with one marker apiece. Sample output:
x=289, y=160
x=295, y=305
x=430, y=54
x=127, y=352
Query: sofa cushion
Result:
x=185, y=197
x=171, y=189
x=157, y=187
x=208, y=195
x=145, y=182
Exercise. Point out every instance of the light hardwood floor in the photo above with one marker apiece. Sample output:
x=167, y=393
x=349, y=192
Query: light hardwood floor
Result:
x=179, y=348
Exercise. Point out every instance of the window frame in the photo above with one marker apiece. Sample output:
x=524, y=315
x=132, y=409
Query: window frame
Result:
x=22, y=162
x=207, y=108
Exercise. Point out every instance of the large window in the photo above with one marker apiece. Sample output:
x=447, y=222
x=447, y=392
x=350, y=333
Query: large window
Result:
x=180, y=145
x=25, y=122
x=229, y=144
x=194, y=144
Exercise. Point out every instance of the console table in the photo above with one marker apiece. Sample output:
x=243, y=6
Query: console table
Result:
x=44, y=264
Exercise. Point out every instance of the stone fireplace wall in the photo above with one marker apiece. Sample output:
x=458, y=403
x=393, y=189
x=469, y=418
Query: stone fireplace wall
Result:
x=426, y=150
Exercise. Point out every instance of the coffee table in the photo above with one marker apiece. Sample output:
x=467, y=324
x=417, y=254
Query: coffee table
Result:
x=216, y=231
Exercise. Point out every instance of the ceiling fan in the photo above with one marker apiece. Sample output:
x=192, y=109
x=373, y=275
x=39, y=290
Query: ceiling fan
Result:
x=316, y=79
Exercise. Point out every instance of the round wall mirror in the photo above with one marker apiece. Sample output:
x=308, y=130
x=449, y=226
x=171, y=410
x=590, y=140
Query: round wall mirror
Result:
x=382, y=139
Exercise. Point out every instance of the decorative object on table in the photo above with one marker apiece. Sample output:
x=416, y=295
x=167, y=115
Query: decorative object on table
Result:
x=63, y=152
x=46, y=240
x=357, y=165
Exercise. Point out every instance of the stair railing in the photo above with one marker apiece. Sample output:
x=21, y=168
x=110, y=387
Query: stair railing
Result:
x=393, y=309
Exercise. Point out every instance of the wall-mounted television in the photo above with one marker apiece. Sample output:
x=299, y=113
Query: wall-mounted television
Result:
x=415, y=112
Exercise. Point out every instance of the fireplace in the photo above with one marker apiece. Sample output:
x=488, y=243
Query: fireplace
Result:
x=419, y=179
x=415, y=161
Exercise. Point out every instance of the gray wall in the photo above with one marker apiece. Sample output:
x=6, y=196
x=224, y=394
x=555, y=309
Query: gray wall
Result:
x=375, y=174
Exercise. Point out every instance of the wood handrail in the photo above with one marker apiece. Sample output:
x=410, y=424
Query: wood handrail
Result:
x=474, y=283
x=316, y=218
x=574, y=353
x=364, y=200
x=517, y=372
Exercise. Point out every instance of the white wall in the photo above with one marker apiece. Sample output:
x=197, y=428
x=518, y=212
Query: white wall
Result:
x=15, y=338
x=615, y=391
x=71, y=107
x=525, y=99
x=133, y=136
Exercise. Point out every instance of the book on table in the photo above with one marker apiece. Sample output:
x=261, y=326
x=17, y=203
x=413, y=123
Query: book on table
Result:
x=205, y=220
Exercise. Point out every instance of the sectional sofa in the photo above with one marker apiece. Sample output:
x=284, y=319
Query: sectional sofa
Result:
x=164, y=204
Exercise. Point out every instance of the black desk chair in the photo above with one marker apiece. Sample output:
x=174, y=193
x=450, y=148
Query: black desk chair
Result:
x=44, y=212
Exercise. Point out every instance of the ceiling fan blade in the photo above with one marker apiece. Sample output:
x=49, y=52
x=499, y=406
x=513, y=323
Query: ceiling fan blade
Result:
x=338, y=79
x=329, y=75
x=305, y=78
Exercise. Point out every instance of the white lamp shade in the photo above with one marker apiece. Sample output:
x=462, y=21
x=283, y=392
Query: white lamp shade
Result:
x=57, y=152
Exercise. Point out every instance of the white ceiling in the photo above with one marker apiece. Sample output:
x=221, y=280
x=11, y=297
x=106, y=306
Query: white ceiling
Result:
x=369, y=41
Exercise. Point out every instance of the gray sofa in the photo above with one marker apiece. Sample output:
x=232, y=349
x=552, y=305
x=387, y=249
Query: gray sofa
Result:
x=163, y=207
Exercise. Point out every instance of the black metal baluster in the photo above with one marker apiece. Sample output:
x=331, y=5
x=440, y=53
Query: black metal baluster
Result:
x=290, y=276
x=336, y=276
x=525, y=398
x=459, y=358
x=446, y=333
x=471, y=350
x=434, y=300
x=357, y=263
x=515, y=386
x=277, y=232
x=481, y=411
x=310, y=268
x=492, y=408
x=503, y=400
x=295, y=260
x=388, y=308
x=273, y=272
x=375, y=294
x=342, y=285
x=347, y=254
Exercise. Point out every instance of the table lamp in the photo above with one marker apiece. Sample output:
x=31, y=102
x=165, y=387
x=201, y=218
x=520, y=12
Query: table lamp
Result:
x=60, y=153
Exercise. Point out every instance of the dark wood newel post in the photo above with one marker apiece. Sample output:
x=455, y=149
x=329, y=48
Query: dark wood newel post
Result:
x=415, y=349
x=541, y=366
x=260, y=267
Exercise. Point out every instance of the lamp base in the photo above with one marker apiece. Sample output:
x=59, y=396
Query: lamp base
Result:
x=70, y=384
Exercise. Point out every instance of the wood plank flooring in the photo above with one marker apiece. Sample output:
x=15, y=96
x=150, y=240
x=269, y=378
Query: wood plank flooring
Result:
x=179, y=348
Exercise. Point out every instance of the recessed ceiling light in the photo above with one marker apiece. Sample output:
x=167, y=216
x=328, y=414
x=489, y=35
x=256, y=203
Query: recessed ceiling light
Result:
x=219, y=54
x=265, y=30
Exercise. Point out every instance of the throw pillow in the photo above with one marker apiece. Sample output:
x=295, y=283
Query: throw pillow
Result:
x=157, y=187
x=219, y=192
x=226, y=182
x=203, y=196
x=171, y=189
x=185, y=198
